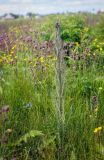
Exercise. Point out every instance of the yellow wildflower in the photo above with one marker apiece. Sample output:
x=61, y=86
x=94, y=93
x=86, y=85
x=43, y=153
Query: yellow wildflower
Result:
x=13, y=47
x=41, y=59
x=77, y=44
x=11, y=52
x=98, y=129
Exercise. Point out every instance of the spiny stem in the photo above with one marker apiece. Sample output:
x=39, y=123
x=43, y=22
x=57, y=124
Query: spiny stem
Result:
x=60, y=90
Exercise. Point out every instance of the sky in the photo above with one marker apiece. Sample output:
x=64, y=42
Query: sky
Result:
x=49, y=6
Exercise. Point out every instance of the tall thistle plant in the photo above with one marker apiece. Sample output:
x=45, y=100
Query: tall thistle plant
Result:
x=60, y=79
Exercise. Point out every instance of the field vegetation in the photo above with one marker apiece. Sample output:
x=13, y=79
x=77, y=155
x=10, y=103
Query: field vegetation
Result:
x=52, y=88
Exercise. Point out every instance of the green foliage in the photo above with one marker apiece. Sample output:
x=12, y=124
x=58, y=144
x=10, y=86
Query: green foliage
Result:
x=71, y=29
x=31, y=134
x=28, y=118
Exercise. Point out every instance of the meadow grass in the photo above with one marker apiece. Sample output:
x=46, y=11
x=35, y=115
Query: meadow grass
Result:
x=31, y=90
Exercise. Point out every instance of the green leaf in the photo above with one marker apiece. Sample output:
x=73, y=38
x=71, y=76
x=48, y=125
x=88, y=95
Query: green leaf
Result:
x=31, y=134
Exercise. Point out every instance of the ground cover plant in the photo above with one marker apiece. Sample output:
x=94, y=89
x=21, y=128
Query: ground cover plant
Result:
x=52, y=88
